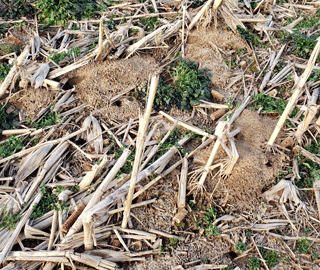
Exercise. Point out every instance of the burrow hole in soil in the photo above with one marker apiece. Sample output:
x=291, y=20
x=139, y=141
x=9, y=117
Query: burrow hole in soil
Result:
x=233, y=255
x=72, y=82
x=118, y=103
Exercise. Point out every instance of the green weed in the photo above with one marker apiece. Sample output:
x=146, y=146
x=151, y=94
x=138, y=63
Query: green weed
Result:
x=48, y=202
x=7, y=119
x=58, y=57
x=241, y=51
x=269, y=103
x=240, y=247
x=315, y=75
x=306, y=23
x=50, y=119
x=308, y=170
x=12, y=145
x=231, y=62
x=6, y=48
x=3, y=29
x=304, y=246
x=254, y=263
x=59, y=12
x=4, y=70
x=8, y=220
x=271, y=257
x=127, y=167
x=189, y=86
x=192, y=83
x=197, y=3
x=166, y=96
x=14, y=9
x=249, y=36
x=90, y=189
x=301, y=45
x=205, y=223
x=150, y=23
x=173, y=240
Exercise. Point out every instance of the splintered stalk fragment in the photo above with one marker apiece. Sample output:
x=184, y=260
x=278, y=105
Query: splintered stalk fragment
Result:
x=298, y=89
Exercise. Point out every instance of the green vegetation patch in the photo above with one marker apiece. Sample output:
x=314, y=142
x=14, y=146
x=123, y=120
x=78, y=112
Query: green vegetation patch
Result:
x=48, y=202
x=304, y=246
x=59, y=12
x=300, y=44
x=14, y=9
x=308, y=170
x=4, y=70
x=268, y=103
x=12, y=145
x=6, y=48
x=240, y=247
x=205, y=223
x=249, y=36
x=189, y=86
x=50, y=119
x=150, y=23
x=8, y=220
x=58, y=57
x=7, y=119
x=271, y=257
x=254, y=263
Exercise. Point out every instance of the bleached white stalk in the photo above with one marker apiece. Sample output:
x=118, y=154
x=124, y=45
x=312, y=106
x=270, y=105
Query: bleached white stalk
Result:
x=298, y=88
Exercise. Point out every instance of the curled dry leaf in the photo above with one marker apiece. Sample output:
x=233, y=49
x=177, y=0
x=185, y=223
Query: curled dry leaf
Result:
x=93, y=135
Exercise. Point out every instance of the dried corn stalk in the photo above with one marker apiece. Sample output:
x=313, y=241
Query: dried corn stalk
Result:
x=310, y=113
x=298, y=89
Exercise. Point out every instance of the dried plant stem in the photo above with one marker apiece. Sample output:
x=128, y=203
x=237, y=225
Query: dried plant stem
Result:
x=31, y=149
x=187, y=126
x=155, y=149
x=200, y=14
x=220, y=134
x=88, y=178
x=55, y=155
x=183, y=184
x=263, y=261
x=53, y=229
x=14, y=70
x=18, y=229
x=273, y=64
x=139, y=149
x=112, y=198
x=98, y=193
x=316, y=186
x=304, y=77
x=309, y=115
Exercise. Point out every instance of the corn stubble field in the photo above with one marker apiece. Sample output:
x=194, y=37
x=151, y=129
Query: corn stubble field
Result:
x=159, y=134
